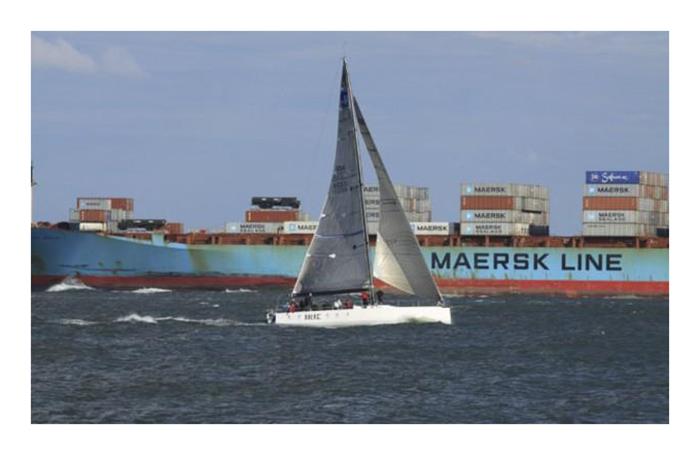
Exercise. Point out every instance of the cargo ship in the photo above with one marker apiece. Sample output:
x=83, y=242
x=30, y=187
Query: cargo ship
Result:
x=501, y=244
x=561, y=265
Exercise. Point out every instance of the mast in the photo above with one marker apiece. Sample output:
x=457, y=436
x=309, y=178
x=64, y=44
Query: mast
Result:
x=351, y=99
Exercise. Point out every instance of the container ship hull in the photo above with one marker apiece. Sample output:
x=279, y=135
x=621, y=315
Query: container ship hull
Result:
x=116, y=262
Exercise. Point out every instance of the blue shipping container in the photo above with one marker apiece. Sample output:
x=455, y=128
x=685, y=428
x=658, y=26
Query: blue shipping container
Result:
x=621, y=177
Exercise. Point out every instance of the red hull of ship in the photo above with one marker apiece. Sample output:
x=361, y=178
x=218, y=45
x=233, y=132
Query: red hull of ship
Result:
x=451, y=286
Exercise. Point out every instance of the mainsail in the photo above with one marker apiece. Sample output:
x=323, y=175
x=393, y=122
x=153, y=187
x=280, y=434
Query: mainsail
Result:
x=397, y=258
x=337, y=260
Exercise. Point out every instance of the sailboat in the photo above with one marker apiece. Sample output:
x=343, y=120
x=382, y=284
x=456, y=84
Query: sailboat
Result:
x=337, y=261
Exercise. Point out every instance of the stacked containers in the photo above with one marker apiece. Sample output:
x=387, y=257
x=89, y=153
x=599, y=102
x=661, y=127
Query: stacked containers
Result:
x=102, y=213
x=415, y=201
x=625, y=204
x=504, y=209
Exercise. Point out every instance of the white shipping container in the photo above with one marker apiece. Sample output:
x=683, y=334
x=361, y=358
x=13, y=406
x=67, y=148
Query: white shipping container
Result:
x=434, y=228
x=535, y=205
x=618, y=230
x=94, y=204
x=616, y=216
x=296, y=227
x=504, y=189
x=120, y=214
x=661, y=206
x=93, y=226
x=419, y=217
x=653, y=178
x=253, y=228
x=623, y=190
x=494, y=229
x=504, y=216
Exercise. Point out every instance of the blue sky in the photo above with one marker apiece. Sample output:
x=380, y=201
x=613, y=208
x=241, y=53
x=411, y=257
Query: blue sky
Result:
x=191, y=125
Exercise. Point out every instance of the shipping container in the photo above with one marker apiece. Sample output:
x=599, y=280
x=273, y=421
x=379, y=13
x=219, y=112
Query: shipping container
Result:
x=619, y=203
x=433, y=228
x=661, y=206
x=504, y=216
x=504, y=203
x=535, y=205
x=516, y=229
x=627, y=177
x=491, y=202
x=271, y=216
x=94, y=216
x=621, y=216
x=174, y=228
x=121, y=214
x=93, y=203
x=299, y=227
x=618, y=230
x=122, y=203
x=93, y=226
x=618, y=190
x=507, y=189
x=236, y=227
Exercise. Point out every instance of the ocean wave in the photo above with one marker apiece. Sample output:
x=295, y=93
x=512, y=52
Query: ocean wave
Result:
x=150, y=291
x=218, y=322
x=70, y=285
x=133, y=317
x=76, y=322
x=239, y=291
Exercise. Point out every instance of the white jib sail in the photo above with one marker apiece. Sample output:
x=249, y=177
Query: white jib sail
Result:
x=337, y=260
x=397, y=258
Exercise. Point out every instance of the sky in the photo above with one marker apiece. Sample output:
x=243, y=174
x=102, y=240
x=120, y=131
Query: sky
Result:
x=192, y=125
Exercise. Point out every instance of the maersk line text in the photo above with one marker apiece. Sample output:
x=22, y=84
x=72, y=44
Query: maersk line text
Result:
x=526, y=261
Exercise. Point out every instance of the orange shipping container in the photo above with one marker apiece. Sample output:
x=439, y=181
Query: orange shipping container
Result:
x=610, y=203
x=94, y=216
x=271, y=216
x=487, y=202
x=174, y=228
x=123, y=203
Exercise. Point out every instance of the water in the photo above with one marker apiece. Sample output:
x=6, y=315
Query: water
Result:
x=206, y=357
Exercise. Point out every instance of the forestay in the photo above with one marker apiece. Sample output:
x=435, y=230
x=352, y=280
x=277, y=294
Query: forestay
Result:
x=338, y=259
x=397, y=258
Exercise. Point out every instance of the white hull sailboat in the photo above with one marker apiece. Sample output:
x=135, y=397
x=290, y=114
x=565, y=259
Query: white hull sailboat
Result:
x=371, y=315
x=337, y=261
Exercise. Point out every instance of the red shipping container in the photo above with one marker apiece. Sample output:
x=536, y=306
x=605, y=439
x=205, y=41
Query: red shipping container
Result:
x=271, y=216
x=122, y=203
x=94, y=216
x=487, y=202
x=610, y=203
x=174, y=228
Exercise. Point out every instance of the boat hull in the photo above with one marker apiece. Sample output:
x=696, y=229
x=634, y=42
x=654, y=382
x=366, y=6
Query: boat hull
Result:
x=371, y=315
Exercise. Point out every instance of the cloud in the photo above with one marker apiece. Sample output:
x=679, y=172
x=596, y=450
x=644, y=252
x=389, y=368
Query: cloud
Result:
x=117, y=60
x=61, y=55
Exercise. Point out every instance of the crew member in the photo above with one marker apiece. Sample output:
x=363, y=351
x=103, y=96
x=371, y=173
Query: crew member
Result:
x=380, y=296
x=365, y=298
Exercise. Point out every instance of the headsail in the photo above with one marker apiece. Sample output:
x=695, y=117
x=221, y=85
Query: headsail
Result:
x=338, y=258
x=397, y=258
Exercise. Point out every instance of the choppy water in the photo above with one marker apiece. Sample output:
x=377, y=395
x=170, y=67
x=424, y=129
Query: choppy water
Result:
x=206, y=357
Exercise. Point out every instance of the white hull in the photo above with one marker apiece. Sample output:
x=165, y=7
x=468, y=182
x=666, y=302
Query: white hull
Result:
x=372, y=315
